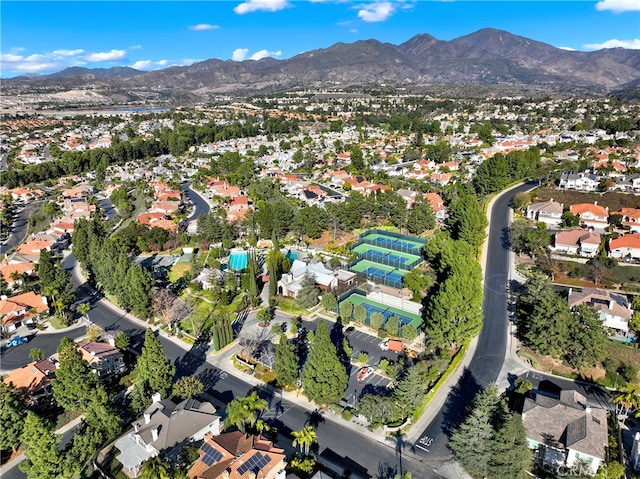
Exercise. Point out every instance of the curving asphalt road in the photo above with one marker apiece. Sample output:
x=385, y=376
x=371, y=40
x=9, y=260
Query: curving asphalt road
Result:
x=487, y=361
x=20, y=225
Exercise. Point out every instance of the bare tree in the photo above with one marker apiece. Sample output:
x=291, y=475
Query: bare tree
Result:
x=162, y=301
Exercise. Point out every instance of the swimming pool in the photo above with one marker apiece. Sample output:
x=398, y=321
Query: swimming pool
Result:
x=238, y=260
x=291, y=255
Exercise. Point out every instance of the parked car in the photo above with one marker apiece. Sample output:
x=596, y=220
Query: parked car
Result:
x=16, y=341
x=364, y=373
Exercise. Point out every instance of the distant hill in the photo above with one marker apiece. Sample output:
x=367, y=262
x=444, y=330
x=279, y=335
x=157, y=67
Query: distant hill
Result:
x=484, y=58
x=119, y=72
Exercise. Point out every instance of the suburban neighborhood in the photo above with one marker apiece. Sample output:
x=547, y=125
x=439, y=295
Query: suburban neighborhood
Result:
x=291, y=285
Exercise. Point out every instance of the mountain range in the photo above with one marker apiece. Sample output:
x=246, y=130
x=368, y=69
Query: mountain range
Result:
x=486, y=57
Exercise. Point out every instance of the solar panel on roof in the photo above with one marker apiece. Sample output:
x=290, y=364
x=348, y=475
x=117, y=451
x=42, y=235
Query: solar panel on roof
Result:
x=254, y=463
x=211, y=455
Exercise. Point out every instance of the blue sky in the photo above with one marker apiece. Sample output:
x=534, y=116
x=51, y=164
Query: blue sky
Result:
x=48, y=36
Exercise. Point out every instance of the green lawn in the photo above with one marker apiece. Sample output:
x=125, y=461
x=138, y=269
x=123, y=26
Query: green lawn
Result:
x=178, y=270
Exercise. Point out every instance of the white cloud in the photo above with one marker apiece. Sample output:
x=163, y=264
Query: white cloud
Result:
x=353, y=30
x=376, y=12
x=135, y=47
x=614, y=43
x=149, y=65
x=260, y=54
x=68, y=53
x=35, y=67
x=10, y=57
x=239, y=54
x=619, y=6
x=261, y=5
x=203, y=26
x=569, y=49
x=109, y=56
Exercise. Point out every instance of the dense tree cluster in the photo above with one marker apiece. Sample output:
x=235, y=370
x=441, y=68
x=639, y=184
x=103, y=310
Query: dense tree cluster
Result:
x=454, y=310
x=176, y=142
x=491, y=442
x=401, y=402
x=467, y=220
x=547, y=325
x=107, y=263
x=497, y=172
x=55, y=283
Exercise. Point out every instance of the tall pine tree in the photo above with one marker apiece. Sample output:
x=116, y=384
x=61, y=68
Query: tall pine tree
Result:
x=12, y=413
x=42, y=458
x=324, y=377
x=154, y=373
x=74, y=382
x=286, y=362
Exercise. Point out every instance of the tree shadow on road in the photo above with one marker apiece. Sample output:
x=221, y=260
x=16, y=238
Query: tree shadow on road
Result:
x=188, y=364
x=458, y=401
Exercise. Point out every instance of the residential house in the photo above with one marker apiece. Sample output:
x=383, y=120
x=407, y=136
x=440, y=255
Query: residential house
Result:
x=578, y=181
x=409, y=196
x=629, y=183
x=165, y=427
x=613, y=308
x=437, y=205
x=238, y=455
x=626, y=247
x=21, y=309
x=565, y=430
x=33, y=380
x=591, y=216
x=13, y=274
x=577, y=242
x=547, y=212
x=325, y=279
x=630, y=218
x=104, y=360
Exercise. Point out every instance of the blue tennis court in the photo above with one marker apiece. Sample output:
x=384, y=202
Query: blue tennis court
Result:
x=377, y=272
x=378, y=255
x=396, y=277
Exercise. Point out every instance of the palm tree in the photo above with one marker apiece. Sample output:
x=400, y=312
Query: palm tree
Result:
x=84, y=309
x=155, y=468
x=304, y=438
x=626, y=399
x=244, y=412
x=36, y=354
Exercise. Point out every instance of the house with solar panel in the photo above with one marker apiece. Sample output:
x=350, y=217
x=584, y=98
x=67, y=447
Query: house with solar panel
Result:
x=237, y=455
x=165, y=428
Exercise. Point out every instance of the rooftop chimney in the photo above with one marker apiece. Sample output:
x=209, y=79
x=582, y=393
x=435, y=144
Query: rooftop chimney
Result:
x=154, y=434
x=587, y=409
x=136, y=426
x=147, y=418
x=156, y=398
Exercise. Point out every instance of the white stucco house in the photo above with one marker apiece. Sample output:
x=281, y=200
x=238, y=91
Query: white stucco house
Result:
x=547, y=212
x=165, y=427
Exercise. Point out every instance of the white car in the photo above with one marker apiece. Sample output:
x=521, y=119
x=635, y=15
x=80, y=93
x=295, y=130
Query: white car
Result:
x=384, y=345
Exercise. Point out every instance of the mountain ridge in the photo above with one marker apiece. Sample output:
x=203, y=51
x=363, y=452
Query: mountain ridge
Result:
x=485, y=57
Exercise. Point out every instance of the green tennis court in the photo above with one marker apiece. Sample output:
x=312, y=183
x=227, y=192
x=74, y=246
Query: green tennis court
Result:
x=374, y=306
